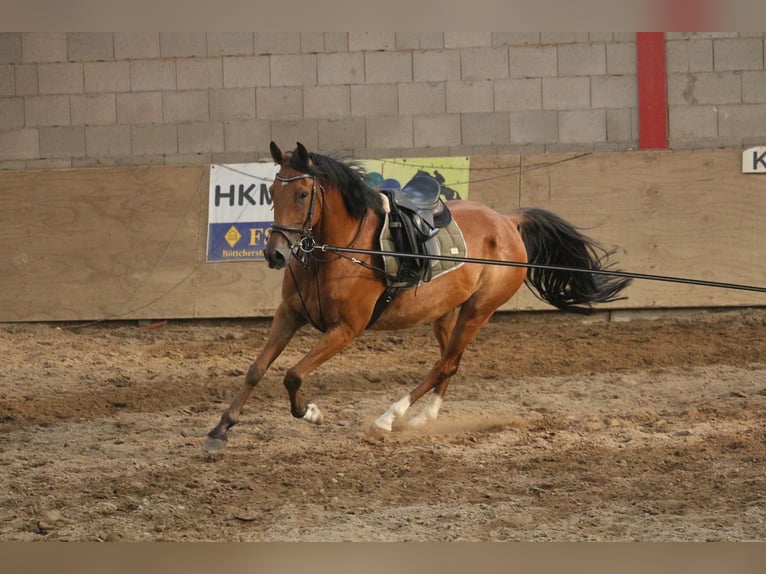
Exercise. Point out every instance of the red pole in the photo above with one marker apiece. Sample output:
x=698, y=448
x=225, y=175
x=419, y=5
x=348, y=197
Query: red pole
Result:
x=652, y=91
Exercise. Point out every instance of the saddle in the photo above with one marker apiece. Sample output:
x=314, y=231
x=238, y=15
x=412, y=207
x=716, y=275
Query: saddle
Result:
x=417, y=213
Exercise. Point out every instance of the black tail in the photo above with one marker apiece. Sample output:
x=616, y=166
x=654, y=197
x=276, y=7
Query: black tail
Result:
x=552, y=241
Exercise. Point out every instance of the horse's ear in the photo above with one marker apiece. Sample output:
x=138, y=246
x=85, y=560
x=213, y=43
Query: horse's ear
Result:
x=303, y=154
x=276, y=153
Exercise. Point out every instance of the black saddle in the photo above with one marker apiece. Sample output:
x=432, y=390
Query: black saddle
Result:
x=416, y=214
x=420, y=198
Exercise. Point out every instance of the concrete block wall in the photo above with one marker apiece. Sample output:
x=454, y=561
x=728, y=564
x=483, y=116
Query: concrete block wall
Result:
x=89, y=99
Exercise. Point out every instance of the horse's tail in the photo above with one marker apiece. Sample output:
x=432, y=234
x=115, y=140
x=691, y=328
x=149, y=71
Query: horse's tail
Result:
x=552, y=241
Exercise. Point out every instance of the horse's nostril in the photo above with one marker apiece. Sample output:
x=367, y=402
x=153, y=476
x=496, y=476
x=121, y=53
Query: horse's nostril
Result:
x=276, y=260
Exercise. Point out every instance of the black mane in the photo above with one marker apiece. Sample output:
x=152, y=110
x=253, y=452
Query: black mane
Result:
x=349, y=177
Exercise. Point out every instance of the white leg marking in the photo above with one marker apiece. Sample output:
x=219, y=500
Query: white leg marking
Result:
x=430, y=411
x=385, y=421
x=313, y=414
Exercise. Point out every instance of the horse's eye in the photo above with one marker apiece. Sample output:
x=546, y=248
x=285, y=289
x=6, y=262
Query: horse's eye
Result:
x=303, y=194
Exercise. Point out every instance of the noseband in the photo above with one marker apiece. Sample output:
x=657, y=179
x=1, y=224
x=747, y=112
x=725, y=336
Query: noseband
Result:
x=306, y=242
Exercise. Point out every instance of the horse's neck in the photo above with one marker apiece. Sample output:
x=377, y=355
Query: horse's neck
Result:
x=338, y=228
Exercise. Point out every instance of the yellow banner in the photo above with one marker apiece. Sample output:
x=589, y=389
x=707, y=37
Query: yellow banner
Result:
x=452, y=173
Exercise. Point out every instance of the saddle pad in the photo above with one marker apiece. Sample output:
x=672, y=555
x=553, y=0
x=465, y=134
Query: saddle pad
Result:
x=449, y=242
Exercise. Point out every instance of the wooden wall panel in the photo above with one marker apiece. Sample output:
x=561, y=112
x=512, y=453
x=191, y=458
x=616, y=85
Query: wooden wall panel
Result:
x=129, y=242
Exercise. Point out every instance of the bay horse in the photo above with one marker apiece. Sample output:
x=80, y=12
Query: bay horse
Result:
x=327, y=201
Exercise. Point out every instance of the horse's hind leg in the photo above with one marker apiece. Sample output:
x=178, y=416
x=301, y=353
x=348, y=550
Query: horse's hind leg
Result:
x=443, y=328
x=283, y=327
x=470, y=320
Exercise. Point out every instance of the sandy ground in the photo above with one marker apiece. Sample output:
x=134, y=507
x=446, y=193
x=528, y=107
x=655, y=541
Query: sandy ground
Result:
x=554, y=429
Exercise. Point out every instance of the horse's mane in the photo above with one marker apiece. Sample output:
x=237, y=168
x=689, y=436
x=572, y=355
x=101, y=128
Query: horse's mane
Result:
x=347, y=176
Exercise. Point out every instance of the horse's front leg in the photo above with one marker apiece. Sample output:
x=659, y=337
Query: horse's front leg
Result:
x=331, y=343
x=283, y=327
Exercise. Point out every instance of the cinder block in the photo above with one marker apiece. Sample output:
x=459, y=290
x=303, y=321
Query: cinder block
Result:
x=327, y=102
x=492, y=128
x=704, y=88
x=232, y=104
x=614, y=92
x=342, y=134
x=153, y=140
x=19, y=144
x=389, y=132
x=436, y=65
x=689, y=56
x=246, y=71
x=436, y=130
x=229, y=43
x=566, y=93
x=47, y=111
x=284, y=103
x=136, y=45
x=63, y=78
x=10, y=48
x=387, y=67
x=738, y=54
x=467, y=97
x=336, y=42
x=247, y=135
x=582, y=126
x=532, y=61
x=139, y=108
x=199, y=73
x=467, y=39
x=484, y=63
x=534, y=127
x=277, y=42
x=62, y=142
x=107, y=141
x=312, y=42
x=287, y=132
x=152, y=75
x=742, y=121
x=419, y=40
x=200, y=137
x=25, y=77
x=340, y=68
x=192, y=106
x=183, y=44
x=90, y=46
x=515, y=38
x=619, y=125
x=107, y=76
x=7, y=80
x=621, y=58
x=375, y=100
x=422, y=98
x=371, y=41
x=518, y=94
x=692, y=122
x=11, y=113
x=96, y=109
x=293, y=70
x=581, y=59
x=37, y=47
x=754, y=87
x=563, y=37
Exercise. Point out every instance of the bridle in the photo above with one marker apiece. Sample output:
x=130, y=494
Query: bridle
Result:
x=306, y=243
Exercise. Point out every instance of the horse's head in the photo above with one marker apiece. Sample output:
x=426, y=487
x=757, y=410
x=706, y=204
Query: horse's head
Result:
x=294, y=193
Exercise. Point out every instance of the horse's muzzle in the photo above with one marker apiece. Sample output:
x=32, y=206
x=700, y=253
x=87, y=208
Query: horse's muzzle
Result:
x=277, y=252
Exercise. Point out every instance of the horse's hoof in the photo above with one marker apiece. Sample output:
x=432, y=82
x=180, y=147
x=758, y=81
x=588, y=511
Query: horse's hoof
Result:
x=214, y=445
x=379, y=430
x=313, y=414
